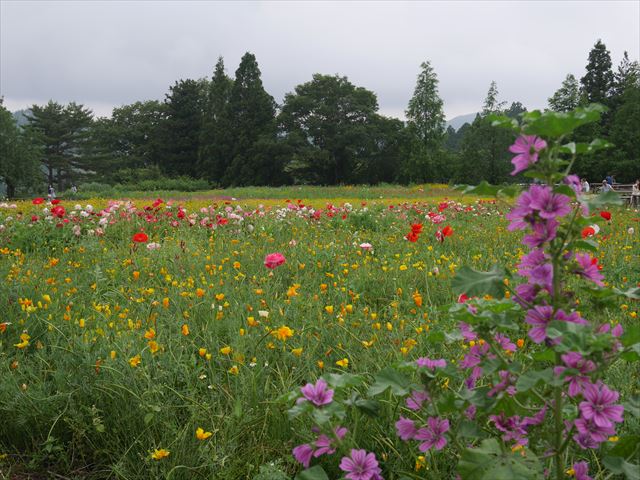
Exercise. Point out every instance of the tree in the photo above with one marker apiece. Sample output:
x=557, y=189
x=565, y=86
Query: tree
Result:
x=598, y=80
x=567, y=97
x=19, y=165
x=425, y=121
x=213, y=156
x=625, y=135
x=129, y=139
x=63, y=134
x=330, y=124
x=180, y=131
x=250, y=129
x=491, y=104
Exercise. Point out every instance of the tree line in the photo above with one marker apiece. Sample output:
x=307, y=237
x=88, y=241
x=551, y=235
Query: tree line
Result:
x=231, y=132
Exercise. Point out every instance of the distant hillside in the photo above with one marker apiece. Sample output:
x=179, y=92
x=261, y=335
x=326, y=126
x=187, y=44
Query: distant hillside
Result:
x=21, y=117
x=457, y=122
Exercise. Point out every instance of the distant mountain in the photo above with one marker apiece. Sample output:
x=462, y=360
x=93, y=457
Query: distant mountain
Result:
x=21, y=117
x=457, y=122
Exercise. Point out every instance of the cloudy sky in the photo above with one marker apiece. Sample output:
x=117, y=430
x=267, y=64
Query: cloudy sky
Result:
x=106, y=54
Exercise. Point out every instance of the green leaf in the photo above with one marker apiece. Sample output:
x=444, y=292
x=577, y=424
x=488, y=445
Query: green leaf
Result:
x=473, y=282
x=368, y=406
x=631, y=335
x=390, y=378
x=632, y=406
x=619, y=465
x=531, y=378
x=603, y=199
x=341, y=380
x=584, y=245
x=313, y=473
x=469, y=429
x=546, y=355
x=490, y=462
x=632, y=293
x=625, y=446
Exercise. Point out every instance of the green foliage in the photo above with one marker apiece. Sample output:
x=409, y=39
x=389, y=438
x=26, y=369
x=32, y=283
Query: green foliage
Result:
x=567, y=97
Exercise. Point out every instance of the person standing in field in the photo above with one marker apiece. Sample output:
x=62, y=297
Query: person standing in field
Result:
x=585, y=186
x=606, y=187
x=635, y=194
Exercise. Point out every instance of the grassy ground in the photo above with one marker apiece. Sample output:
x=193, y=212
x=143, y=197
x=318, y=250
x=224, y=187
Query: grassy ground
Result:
x=131, y=350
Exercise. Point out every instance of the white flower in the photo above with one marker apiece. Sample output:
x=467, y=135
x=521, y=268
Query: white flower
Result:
x=153, y=246
x=631, y=231
x=263, y=313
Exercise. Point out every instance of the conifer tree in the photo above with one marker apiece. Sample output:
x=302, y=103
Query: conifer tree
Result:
x=598, y=80
x=567, y=97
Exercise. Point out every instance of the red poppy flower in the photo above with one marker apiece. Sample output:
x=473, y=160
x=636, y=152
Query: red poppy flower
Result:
x=58, y=211
x=416, y=228
x=55, y=201
x=140, y=237
x=412, y=236
x=588, y=232
x=37, y=201
x=606, y=215
x=462, y=298
x=447, y=231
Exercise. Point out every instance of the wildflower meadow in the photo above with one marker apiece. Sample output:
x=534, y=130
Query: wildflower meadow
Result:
x=477, y=333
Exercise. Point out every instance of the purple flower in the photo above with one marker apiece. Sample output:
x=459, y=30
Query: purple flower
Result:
x=507, y=382
x=591, y=435
x=324, y=444
x=541, y=232
x=406, y=429
x=589, y=268
x=416, y=399
x=575, y=361
x=581, y=471
x=474, y=376
x=467, y=333
x=475, y=355
x=526, y=147
x=505, y=342
x=540, y=316
x=521, y=215
x=431, y=364
x=361, y=466
x=317, y=394
x=525, y=293
x=470, y=412
x=548, y=204
x=574, y=182
x=512, y=428
x=433, y=435
x=535, y=267
x=537, y=419
x=598, y=405
x=302, y=453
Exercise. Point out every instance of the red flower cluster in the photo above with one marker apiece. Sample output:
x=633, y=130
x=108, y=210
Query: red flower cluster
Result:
x=58, y=211
x=414, y=234
x=445, y=232
x=140, y=237
x=37, y=201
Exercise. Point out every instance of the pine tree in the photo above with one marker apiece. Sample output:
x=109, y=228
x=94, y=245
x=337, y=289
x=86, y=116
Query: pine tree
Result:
x=251, y=128
x=491, y=104
x=214, y=156
x=180, y=132
x=598, y=81
x=426, y=125
x=567, y=97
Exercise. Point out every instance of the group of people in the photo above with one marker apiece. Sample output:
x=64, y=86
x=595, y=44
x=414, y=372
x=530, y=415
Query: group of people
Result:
x=607, y=186
x=51, y=193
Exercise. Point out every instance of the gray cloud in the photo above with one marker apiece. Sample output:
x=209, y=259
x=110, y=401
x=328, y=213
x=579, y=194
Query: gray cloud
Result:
x=105, y=54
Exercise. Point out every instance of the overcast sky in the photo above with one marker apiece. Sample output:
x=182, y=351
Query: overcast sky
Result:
x=106, y=54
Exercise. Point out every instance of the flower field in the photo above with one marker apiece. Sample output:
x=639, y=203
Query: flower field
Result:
x=159, y=339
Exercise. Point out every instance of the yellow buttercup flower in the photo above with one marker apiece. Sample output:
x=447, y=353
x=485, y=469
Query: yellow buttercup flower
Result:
x=344, y=363
x=135, y=361
x=201, y=434
x=159, y=454
x=283, y=333
x=225, y=350
x=24, y=341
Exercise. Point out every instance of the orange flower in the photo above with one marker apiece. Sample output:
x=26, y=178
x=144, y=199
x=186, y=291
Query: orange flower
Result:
x=201, y=434
x=185, y=330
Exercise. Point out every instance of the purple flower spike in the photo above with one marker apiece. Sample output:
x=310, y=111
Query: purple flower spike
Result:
x=361, y=466
x=526, y=147
x=317, y=394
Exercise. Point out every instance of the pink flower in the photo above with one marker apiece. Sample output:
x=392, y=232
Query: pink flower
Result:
x=274, y=260
x=366, y=246
x=433, y=435
x=361, y=466
x=318, y=394
x=526, y=147
x=599, y=405
x=406, y=429
x=303, y=453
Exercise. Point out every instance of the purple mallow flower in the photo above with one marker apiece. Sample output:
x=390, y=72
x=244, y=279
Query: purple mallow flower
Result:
x=589, y=268
x=599, y=405
x=406, y=429
x=540, y=316
x=431, y=364
x=591, y=435
x=303, y=453
x=507, y=383
x=526, y=148
x=360, y=466
x=324, y=444
x=416, y=399
x=541, y=232
x=581, y=471
x=577, y=382
x=515, y=428
x=548, y=204
x=317, y=394
x=433, y=435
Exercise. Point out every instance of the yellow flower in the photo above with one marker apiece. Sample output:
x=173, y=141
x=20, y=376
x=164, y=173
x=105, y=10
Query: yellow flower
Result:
x=150, y=334
x=201, y=434
x=320, y=364
x=520, y=342
x=344, y=363
x=135, y=361
x=297, y=351
x=225, y=350
x=185, y=329
x=283, y=333
x=160, y=454
x=234, y=370
x=199, y=292
x=165, y=302
x=113, y=354
x=24, y=341
x=153, y=346
x=329, y=309
x=202, y=352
